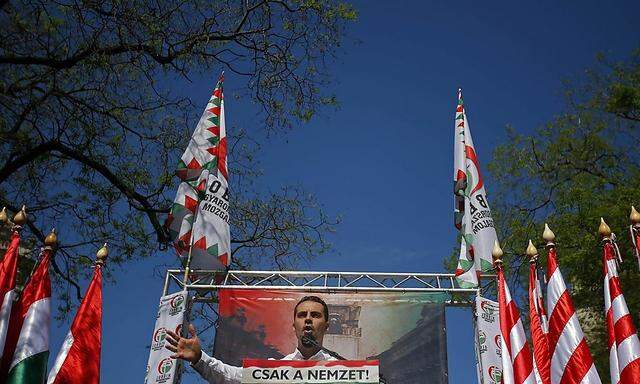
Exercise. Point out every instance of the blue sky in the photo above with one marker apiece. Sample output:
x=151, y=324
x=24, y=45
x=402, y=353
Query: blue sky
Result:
x=383, y=160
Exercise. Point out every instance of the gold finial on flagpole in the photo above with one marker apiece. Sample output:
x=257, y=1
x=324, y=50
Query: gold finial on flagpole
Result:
x=634, y=216
x=549, y=237
x=532, y=252
x=21, y=217
x=3, y=216
x=101, y=255
x=51, y=241
x=604, y=229
x=497, y=254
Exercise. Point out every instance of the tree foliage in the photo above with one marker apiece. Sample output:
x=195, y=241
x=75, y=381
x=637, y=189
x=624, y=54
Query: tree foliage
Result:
x=91, y=130
x=583, y=165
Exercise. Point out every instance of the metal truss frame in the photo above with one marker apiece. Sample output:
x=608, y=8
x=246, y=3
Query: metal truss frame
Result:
x=205, y=283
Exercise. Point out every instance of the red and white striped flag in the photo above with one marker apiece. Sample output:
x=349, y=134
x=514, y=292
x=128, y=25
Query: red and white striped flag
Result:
x=539, y=327
x=623, y=344
x=8, y=272
x=571, y=361
x=78, y=361
x=517, y=364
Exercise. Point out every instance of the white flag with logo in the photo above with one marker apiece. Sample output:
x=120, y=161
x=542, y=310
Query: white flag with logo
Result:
x=161, y=368
x=472, y=212
x=488, y=343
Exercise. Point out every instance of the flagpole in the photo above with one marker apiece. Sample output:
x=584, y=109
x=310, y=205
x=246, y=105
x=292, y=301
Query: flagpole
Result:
x=634, y=229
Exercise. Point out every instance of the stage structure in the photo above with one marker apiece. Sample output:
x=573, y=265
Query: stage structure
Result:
x=398, y=318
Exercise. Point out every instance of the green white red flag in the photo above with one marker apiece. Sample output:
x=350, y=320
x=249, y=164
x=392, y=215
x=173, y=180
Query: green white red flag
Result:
x=27, y=345
x=472, y=211
x=78, y=361
x=8, y=273
x=199, y=218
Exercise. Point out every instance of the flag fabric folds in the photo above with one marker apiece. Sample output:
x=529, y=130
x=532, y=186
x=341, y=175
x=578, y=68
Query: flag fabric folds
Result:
x=472, y=212
x=622, y=342
x=27, y=346
x=539, y=328
x=571, y=360
x=78, y=361
x=198, y=222
x=517, y=364
x=8, y=273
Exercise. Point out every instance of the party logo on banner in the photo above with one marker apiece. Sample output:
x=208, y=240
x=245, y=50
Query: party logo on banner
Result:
x=495, y=374
x=176, y=305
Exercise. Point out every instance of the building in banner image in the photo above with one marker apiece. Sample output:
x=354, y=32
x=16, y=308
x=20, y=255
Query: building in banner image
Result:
x=420, y=356
x=344, y=334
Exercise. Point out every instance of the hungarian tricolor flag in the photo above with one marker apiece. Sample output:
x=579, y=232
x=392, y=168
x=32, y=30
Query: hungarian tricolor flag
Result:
x=472, y=212
x=27, y=346
x=199, y=219
x=8, y=272
x=78, y=361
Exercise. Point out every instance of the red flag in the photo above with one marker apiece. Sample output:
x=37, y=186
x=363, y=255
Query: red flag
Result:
x=8, y=272
x=79, y=358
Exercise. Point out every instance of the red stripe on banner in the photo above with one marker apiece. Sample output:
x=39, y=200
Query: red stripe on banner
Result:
x=261, y=363
x=522, y=364
x=609, y=253
x=578, y=365
x=614, y=288
x=611, y=337
x=624, y=328
x=560, y=315
x=630, y=373
x=552, y=265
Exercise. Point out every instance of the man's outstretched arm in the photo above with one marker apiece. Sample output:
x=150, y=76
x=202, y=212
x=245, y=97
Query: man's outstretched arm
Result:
x=211, y=369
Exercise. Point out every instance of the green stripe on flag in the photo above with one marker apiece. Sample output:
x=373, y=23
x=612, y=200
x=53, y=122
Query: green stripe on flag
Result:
x=32, y=370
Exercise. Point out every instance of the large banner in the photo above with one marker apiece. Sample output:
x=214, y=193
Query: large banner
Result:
x=161, y=368
x=488, y=343
x=405, y=331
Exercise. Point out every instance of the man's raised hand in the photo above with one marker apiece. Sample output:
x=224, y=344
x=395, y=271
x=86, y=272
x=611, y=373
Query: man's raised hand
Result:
x=185, y=349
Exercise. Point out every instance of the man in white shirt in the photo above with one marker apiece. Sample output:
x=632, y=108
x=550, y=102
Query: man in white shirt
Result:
x=310, y=321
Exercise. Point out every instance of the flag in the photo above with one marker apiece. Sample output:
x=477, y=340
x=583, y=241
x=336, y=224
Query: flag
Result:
x=539, y=328
x=622, y=342
x=571, y=360
x=199, y=219
x=27, y=345
x=473, y=215
x=78, y=361
x=517, y=364
x=488, y=341
x=8, y=272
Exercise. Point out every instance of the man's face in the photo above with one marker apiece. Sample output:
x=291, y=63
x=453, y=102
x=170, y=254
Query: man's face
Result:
x=309, y=319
